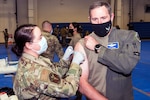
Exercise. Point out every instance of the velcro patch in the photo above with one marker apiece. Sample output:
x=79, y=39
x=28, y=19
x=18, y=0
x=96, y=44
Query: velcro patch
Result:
x=44, y=75
x=113, y=45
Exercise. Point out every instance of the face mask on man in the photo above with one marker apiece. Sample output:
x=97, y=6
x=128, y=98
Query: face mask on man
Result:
x=43, y=46
x=103, y=29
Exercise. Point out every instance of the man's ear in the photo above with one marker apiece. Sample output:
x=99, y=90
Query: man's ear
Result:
x=89, y=18
x=28, y=45
x=112, y=17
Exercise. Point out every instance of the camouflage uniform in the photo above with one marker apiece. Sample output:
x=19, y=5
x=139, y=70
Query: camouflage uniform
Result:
x=39, y=79
x=57, y=32
x=53, y=46
x=63, y=33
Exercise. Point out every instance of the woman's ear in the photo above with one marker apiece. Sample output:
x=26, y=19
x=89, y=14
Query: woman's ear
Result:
x=89, y=18
x=28, y=45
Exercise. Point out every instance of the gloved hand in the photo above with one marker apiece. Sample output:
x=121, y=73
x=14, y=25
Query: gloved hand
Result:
x=78, y=57
x=68, y=52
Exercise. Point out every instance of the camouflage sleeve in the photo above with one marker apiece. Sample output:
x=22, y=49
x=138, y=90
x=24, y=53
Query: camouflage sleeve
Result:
x=58, y=48
x=62, y=66
x=48, y=82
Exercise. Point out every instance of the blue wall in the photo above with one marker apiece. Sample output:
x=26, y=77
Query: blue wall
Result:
x=85, y=26
x=143, y=28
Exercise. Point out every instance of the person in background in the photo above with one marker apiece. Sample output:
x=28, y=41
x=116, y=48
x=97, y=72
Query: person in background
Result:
x=74, y=30
x=63, y=35
x=110, y=57
x=6, y=36
x=37, y=78
x=54, y=47
x=117, y=27
x=57, y=32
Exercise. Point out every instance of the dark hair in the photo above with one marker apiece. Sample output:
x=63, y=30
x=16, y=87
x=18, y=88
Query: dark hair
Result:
x=117, y=27
x=76, y=25
x=100, y=3
x=6, y=29
x=22, y=35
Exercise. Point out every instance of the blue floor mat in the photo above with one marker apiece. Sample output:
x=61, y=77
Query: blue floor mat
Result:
x=6, y=81
x=141, y=74
x=140, y=96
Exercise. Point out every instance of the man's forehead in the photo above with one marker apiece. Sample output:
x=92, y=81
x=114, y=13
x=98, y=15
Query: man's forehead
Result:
x=99, y=10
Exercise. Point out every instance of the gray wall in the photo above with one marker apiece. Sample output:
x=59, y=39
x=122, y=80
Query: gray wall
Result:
x=22, y=11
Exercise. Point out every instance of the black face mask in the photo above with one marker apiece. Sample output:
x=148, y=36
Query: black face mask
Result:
x=71, y=31
x=103, y=29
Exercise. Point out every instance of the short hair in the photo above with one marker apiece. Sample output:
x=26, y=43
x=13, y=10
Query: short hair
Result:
x=100, y=3
x=46, y=21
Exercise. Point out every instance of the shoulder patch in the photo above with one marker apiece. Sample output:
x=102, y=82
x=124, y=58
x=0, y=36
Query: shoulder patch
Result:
x=54, y=78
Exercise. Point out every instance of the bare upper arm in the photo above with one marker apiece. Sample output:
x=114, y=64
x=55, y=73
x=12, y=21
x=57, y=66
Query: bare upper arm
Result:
x=84, y=65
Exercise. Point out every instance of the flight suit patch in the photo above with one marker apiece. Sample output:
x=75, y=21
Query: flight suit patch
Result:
x=113, y=45
x=44, y=75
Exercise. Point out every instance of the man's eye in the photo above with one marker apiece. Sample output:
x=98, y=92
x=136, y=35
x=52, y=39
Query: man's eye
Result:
x=103, y=18
x=94, y=19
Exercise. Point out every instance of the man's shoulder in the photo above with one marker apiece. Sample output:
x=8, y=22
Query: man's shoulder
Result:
x=81, y=41
x=45, y=33
x=123, y=34
x=53, y=37
x=124, y=31
x=50, y=36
